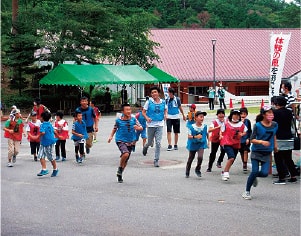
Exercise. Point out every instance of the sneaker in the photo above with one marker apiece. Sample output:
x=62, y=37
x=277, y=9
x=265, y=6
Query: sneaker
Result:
x=133, y=148
x=57, y=158
x=156, y=163
x=208, y=170
x=119, y=176
x=245, y=170
x=144, y=151
x=169, y=148
x=87, y=150
x=280, y=182
x=43, y=172
x=225, y=176
x=9, y=164
x=187, y=174
x=63, y=158
x=198, y=173
x=246, y=195
x=292, y=180
x=35, y=158
x=255, y=183
x=14, y=158
x=80, y=160
x=54, y=173
x=76, y=158
x=94, y=141
x=175, y=147
x=218, y=165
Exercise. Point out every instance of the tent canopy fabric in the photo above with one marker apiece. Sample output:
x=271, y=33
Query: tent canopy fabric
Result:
x=85, y=75
x=162, y=76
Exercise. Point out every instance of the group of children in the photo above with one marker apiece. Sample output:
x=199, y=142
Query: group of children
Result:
x=43, y=136
x=232, y=134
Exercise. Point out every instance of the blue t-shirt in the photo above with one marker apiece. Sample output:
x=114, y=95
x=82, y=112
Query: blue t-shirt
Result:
x=48, y=138
x=81, y=129
x=197, y=144
x=88, y=117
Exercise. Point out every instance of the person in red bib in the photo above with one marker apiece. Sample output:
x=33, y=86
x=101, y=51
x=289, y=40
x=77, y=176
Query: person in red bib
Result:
x=13, y=130
x=33, y=129
x=230, y=137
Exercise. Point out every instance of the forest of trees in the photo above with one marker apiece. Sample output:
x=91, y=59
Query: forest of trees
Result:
x=117, y=31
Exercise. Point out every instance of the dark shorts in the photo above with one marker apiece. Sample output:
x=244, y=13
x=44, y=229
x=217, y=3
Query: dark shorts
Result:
x=124, y=148
x=244, y=147
x=173, y=124
x=231, y=152
x=34, y=147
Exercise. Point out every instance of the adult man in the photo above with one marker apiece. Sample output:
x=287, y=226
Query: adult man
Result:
x=107, y=100
x=155, y=112
x=221, y=96
x=90, y=118
x=173, y=121
x=286, y=88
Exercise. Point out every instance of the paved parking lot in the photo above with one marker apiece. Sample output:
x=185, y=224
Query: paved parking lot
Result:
x=87, y=200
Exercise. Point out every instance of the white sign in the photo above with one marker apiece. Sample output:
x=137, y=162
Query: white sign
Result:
x=278, y=49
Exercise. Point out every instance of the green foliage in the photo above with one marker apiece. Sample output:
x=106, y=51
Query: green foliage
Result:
x=24, y=101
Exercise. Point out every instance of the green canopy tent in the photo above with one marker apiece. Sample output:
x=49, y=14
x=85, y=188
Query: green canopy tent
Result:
x=162, y=76
x=86, y=75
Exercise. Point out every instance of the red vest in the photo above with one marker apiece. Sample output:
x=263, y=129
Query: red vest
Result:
x=39, y=110
x=34, y=130
x=18, y=131
x=215, y=133
x=60, y=130
x=230, y=137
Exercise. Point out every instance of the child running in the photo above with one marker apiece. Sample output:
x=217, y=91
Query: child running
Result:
x=230, y=136
x=125, y=127
x=190, y=118
x=141, y=133
x=47, y=141
x=79, y=136
x=33, y=131
x=196, y=142
x=214, y=129
x=98, y=116
x=245, y=140
x=13, y=130
x=61, y=131
x=263, y=141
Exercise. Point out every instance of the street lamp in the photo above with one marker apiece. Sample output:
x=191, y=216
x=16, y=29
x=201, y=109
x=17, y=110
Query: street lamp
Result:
x=214, y=86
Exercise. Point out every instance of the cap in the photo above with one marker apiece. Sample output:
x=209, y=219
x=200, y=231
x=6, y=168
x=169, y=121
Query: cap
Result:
x=193, y=106
x=13, y=107
x=265, y=108
x=33, y=113
x=201, y=113
x=15, y=111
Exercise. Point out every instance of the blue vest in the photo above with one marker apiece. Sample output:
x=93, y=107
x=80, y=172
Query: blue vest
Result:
x=125, y=130
x=197, y=144
x=155, y=111
x=81, y=129
x=266, y=134
x=88, y=117
x=173, y=106
x=141, y=119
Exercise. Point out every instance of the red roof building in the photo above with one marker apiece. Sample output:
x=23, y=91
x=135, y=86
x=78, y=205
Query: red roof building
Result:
x=242, y=58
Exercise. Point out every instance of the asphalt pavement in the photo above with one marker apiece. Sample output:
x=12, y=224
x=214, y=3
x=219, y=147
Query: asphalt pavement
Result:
x=85, y=199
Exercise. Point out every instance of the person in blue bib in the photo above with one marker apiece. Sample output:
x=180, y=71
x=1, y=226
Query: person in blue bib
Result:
x=125, y=128
x=173, y=118
x=155, y=112
x=197, y=142
x=90, y=119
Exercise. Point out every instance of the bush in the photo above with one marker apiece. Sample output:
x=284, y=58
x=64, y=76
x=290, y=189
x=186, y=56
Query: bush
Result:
x=22, y=102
